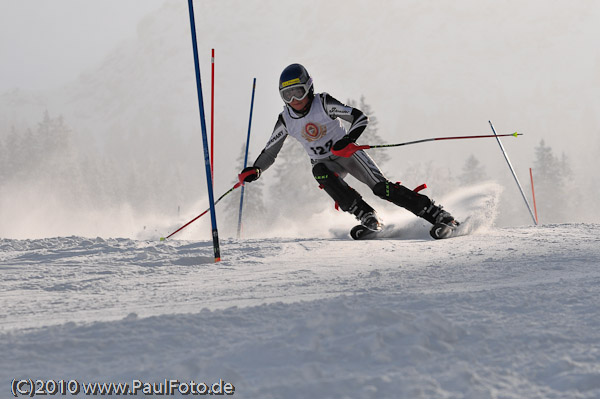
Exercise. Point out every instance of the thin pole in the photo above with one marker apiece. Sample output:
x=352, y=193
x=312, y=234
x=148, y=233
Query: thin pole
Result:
x=213, y=216
x=203, y=213
x=212, y=116
x=513, y=173
x=515, y=134
x=239, y=229
x=533, y=196
x=352, y=148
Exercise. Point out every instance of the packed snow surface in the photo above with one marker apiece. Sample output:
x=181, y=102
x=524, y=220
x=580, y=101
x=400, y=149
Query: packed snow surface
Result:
x=501, y=313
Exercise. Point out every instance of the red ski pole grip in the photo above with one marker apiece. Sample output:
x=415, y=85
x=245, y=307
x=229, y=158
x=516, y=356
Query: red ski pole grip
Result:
x=349, y=150
x=242, y=176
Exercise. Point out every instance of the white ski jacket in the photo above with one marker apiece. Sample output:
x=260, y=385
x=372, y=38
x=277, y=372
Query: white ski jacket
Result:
x=317, y=131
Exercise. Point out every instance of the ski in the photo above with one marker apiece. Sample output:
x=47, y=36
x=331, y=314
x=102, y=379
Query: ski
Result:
x=438, y=231
x=360, y=232
x=441, y=231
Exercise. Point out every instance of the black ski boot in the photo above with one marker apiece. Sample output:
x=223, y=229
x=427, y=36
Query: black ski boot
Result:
x=370, y=224
x=348, y=199
x=371, y=221
x=444, y=224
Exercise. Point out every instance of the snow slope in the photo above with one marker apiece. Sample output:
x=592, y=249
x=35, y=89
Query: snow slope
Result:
x=502, y=313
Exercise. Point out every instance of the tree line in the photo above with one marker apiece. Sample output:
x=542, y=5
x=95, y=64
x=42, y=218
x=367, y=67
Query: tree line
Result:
x=49, y=158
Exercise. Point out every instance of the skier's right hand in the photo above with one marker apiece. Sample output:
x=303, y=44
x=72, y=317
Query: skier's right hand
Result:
x=343, y=143
x=249, y=174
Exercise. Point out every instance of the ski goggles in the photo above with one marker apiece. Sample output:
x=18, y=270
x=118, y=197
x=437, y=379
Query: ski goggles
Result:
x=298, y=91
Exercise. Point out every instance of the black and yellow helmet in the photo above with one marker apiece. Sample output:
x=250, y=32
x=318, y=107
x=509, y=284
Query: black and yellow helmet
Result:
x=295, y=82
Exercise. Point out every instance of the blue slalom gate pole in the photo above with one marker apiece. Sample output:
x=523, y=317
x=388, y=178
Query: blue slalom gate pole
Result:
x=211, y=199
x=513, y=173
x=239, y=229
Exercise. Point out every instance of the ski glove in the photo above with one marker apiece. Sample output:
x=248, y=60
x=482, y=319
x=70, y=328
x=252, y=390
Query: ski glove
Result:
x=249, y=174
x=343, y=143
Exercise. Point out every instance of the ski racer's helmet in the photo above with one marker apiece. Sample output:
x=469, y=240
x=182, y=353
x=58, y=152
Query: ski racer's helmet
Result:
x=295, y=82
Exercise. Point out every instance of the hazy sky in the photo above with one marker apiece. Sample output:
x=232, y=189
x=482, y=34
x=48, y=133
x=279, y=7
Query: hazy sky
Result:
x=79, y=32
x=426, y=67
x=456, y=64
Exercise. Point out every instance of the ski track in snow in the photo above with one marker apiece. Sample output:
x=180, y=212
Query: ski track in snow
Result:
x=508, y=313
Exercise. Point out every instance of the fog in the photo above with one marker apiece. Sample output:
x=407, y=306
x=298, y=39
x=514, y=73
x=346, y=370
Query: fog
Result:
x=118, y=77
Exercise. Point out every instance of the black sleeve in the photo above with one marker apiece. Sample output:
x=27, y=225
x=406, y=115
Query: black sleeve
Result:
x=335, y=109
x=271, y=150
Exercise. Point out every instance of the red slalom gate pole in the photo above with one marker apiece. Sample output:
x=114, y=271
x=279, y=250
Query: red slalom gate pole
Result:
x=533, y=194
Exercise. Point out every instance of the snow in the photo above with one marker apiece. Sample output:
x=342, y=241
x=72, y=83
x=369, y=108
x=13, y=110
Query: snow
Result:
x=500, y=313
x=504, y=312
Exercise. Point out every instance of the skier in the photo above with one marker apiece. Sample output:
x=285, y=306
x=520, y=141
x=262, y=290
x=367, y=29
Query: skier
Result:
x=312, y=119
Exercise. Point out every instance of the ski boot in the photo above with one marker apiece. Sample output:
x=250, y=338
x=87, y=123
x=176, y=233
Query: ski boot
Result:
x=445, y=225
x=369, y=225
x=371, y=221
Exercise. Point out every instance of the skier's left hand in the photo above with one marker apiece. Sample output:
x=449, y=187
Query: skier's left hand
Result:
x=342, y=143
x=249, y=174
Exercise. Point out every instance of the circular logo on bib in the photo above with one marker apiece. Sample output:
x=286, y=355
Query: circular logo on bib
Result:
x=313, y=131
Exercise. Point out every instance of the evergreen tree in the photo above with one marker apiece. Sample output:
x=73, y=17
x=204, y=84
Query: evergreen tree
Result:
x=295, y=192
x=565, y=167
x=254, y=212
x=472, y=172
x=550, y=176
x=4, y=159
x=371, y=134
x=591, y=191
x=439, y=179
x=52, y=143
x=46, y=153
x=18, y=158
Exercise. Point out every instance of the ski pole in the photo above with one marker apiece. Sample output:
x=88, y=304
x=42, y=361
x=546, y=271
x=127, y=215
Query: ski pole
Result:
x=350, y=149
x=236, y=185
